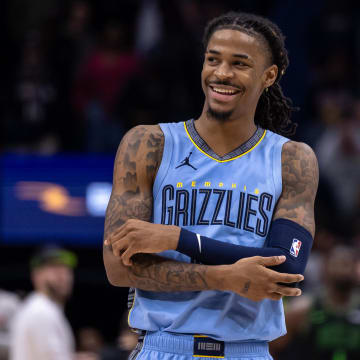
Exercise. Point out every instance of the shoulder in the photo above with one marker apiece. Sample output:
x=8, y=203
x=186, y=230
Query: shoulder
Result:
x=299, y=160
x=143, y=137
x=298, y=150
x=140, y=151
x=145, y=133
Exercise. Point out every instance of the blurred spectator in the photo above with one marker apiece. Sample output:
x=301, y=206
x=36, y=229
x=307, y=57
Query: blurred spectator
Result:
x=40, y=330
x=30, y=126
x=151, y=103
x=89, y=339
x=331, y=43
x=100, y=81
x=127, y=339
x=324, y=242
x=126, y=343
x=326, y=325
x=148, y=27
x=9, y=305
x=338, y=148
x=75, y=40
x=69, y=50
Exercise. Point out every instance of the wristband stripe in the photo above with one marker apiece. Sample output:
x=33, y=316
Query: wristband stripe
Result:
x=199, y=242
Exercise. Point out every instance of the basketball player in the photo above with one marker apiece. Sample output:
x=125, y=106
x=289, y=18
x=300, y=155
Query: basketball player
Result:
x=241, y=201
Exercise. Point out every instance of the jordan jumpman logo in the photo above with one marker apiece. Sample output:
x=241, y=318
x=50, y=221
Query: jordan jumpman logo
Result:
x=186, y=161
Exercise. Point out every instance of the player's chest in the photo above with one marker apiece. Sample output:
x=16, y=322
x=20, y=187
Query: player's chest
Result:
x=199, y=191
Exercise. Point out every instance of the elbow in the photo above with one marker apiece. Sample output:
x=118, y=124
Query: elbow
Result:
x=117, y=276
x=112, y=278
x=116, y=272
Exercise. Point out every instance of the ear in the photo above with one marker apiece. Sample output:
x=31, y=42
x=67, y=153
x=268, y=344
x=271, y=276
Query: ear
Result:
x=270, y=75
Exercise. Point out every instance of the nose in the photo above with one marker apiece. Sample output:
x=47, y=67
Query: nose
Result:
x=224, y=71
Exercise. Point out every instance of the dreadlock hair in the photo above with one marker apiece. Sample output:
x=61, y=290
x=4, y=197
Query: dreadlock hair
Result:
x=274, y=110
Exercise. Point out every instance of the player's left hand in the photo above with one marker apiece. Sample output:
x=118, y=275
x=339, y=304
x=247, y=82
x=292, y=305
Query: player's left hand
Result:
x=137, y=236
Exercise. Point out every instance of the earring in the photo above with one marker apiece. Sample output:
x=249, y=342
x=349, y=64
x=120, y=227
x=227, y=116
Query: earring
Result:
x=266, y=89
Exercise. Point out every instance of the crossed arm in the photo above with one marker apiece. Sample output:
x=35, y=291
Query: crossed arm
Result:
x=136, y=163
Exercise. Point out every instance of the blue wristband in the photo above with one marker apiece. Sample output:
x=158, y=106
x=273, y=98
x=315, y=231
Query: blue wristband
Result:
x=189, y=244
x=285, y=238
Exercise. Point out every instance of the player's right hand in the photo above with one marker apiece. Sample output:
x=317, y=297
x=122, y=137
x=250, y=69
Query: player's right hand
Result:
x=251, y=278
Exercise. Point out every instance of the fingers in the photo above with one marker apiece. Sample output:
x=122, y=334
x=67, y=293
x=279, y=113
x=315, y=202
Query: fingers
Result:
x=271, y=260
x=126, y=256
x=289, y=278
x=117, y=248
x=278, y=277
x=118, y=239
x=129, y=225
x=287, y=291
x=122, y=231
x=280, y=291
x=120, y=245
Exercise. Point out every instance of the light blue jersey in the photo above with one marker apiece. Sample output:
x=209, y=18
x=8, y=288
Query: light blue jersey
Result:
x=230, y=198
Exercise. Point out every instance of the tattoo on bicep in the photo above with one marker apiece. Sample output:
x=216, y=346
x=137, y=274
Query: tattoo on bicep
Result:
x=132, y=202
x=300, y=179
x=129, y=205
x=155, y=145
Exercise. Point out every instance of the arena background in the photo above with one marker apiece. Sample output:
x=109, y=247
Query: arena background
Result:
x=76, y=75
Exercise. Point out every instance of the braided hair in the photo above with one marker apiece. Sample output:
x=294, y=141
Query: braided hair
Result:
x=274, y=110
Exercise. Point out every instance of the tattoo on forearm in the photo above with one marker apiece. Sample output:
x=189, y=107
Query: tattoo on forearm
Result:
x=158, y=274
x=300, y=180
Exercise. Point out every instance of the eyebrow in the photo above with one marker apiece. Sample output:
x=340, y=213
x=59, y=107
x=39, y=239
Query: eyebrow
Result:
x=242, y=56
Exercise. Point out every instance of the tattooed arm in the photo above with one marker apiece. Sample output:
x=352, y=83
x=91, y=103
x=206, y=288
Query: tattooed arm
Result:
x=300, y=177
x=136, y=163
x=137, y=160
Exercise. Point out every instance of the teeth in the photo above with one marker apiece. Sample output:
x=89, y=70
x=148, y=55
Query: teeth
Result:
x=224, y=91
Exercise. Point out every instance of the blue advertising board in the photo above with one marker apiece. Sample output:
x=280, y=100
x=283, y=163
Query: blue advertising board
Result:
x=60, y=199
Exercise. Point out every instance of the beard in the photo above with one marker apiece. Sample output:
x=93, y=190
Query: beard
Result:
x=219, y=115
x=57, y=294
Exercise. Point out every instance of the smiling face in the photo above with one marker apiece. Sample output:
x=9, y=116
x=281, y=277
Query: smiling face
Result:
x=235, y=72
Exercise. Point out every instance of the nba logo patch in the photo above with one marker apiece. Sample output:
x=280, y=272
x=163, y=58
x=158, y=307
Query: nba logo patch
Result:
x=295, y=247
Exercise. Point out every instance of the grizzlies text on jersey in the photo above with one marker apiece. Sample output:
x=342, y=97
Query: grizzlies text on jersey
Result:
x=231, y=199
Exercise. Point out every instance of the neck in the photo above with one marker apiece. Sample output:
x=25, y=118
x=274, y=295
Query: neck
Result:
x=223, y=136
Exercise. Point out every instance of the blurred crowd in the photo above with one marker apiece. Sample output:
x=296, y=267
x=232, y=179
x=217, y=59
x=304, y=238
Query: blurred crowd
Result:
x=80, y=73
x=34, y=326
